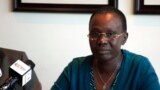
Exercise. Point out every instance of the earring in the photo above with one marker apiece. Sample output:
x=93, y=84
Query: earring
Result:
x=122, y=46
x=0, y=73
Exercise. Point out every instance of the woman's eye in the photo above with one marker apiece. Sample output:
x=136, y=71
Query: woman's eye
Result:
x=109, y=34
x=94, y=34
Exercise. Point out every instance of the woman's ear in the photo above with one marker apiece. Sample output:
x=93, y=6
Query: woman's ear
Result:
x=125, y=37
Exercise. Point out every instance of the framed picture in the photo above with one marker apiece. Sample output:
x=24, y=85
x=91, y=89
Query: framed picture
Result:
x=74, y=6
x=147, y=7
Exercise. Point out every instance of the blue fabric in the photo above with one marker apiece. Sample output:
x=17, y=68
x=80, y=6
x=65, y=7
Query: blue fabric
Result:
x=136, y=73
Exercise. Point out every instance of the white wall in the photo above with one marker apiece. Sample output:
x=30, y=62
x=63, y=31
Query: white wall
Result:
x=51, y=40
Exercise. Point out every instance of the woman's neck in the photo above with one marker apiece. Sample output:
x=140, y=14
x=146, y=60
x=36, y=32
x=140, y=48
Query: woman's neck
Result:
x=107, y=66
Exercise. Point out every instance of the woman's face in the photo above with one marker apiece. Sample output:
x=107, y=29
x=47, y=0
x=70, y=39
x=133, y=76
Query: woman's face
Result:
x=107, y=45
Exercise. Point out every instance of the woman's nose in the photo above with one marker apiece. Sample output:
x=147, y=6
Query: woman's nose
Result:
x=103, y=39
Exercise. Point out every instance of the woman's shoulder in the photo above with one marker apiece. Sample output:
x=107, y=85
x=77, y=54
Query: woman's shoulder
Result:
x=82, y=59
x=80, y=62
x=136, y=59
x=131, y=55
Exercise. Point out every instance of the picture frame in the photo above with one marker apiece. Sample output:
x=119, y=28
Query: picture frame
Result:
x=23, y=6
x=147, y=7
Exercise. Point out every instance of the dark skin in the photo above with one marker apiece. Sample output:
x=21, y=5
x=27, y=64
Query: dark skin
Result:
x=107, y=52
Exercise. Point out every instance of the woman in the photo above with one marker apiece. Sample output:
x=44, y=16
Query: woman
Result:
x=110, y=67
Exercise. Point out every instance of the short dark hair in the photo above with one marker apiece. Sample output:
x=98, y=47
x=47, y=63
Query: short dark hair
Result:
x=108, y=9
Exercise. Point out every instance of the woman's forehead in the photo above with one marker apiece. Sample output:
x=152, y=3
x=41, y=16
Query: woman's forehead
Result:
x=107, y=21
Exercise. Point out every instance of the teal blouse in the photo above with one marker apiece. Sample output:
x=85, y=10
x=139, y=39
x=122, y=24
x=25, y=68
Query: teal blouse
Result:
x=136, y=73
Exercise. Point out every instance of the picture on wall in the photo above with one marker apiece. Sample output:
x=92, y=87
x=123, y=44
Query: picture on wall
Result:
x=74, y=6
x=147, y=7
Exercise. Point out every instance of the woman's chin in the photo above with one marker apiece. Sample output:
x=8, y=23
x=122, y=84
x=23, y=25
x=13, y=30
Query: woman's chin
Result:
x=104, y=56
